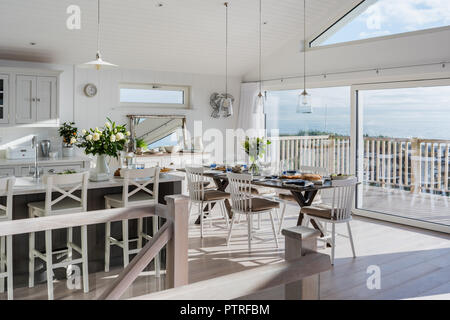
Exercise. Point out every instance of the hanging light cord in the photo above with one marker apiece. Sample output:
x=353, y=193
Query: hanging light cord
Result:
x=304, y=46
x=226, y=50
x=98, y=25
x=260, y=47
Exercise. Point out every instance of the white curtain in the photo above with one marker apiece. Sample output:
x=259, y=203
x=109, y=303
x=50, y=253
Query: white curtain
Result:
x=247, y=120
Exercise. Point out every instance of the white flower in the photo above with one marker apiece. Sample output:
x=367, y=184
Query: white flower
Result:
x=120, y=136
x=96, y=129
x=112, y=138
x=128, y=133
x=89, y=137
x=83, y=132
x=108, y=125
x=96, y=136
x=73, y=140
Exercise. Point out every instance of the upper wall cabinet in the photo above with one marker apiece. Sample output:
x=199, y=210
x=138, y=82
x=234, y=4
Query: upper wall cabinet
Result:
x=35, y=99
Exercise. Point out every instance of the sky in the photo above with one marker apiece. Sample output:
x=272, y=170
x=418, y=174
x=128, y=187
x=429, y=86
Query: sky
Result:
x=400, y=113
x=387, y=17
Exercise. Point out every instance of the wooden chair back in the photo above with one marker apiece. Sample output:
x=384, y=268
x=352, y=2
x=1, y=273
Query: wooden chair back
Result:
x=140, y=178
x=343, y=196
x=65, y=185
x=6, y=189
x=240, y=191
x=196, y=183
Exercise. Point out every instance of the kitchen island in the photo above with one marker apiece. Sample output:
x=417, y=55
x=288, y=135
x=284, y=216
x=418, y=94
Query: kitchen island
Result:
x=28, y=190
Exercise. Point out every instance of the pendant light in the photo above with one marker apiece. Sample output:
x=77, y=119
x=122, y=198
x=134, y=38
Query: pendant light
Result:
x=98, y=62
x=226, y=108
x=304, y=99
x=258, y=108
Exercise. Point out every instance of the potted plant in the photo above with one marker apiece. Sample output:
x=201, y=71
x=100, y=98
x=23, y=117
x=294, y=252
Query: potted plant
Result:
x=103, y=142
x=141, y=145
x=69, y=133
x=255, y=148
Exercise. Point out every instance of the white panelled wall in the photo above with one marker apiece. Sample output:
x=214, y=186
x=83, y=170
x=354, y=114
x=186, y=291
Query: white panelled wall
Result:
x=92, y=112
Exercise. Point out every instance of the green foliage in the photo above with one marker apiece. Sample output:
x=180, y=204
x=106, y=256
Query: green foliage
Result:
x=140, y=143
x=255, y=147
x=69, y=133
x=109, y=140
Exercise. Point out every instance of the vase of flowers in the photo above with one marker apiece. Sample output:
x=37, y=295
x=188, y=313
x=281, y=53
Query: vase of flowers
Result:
x=104, y=142
x=255, y=148
x=69, y=133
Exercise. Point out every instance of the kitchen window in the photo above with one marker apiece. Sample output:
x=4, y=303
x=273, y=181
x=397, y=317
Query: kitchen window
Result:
x=154, y=95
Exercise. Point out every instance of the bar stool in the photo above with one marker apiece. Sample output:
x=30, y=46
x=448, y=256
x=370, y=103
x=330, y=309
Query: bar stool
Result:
x=200, y=195
x=66, y=203
x=6, y=260
x=140, y=196
x=243, y=202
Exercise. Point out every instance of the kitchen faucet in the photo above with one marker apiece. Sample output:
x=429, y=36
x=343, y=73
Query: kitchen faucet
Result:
x=34, y=144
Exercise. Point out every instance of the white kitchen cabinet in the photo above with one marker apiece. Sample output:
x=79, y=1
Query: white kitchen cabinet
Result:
x=36, y=99
x=29, y=97
x=4, y=98
x=7, y=172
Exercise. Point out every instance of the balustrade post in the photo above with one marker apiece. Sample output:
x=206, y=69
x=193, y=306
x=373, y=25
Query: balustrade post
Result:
x=177, y=248
x=331, y=153
x=415, y=165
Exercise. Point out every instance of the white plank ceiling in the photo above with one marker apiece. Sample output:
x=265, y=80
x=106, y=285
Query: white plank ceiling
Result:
x=180, y=36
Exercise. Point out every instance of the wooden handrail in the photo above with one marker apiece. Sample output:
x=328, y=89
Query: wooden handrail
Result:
x=139, y=263
x=247, y=282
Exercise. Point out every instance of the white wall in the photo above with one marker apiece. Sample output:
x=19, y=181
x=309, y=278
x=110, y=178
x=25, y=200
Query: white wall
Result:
x=415, y=48
x=92, y=112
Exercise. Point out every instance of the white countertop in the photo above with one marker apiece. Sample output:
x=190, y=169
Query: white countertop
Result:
x=27, y=185
x=41, y=161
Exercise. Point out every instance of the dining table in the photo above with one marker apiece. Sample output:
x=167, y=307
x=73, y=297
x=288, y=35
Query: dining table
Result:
x=303, y=195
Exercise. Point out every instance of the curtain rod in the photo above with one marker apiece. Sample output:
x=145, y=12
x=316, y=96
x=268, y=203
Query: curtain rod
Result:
x=443, y=64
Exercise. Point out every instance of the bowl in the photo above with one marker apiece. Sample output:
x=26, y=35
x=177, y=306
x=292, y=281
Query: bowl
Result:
x=172, y=149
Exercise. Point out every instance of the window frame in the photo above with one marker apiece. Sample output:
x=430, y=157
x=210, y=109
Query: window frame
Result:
x=160, y=87
x=340, y=22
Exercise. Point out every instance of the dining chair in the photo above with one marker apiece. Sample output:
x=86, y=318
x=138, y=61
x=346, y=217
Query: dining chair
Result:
x=244, y=203
x=287, y=198
x=67, y=202
x=6, y=259
x=200, y=195
x=340, y=211
x=141, y=195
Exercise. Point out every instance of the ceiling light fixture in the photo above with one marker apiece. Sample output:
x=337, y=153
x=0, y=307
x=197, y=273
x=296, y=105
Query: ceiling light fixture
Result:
x=258, y=107
x=98, y=62
x=304, y=99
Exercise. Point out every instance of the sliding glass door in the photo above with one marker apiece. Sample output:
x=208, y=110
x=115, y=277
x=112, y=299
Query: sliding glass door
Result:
x=402, y=151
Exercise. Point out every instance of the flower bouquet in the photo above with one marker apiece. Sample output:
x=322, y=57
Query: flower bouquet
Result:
x=255, y=148
x=106, y=141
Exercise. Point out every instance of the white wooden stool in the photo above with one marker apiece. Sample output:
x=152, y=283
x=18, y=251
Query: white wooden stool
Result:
x=67, y=202
x=6, y=260
x=139, y=197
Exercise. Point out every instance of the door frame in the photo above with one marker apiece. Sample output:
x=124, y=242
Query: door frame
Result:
x=357, y=114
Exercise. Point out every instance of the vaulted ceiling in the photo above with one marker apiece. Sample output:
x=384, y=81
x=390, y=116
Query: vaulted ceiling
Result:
x=179, y=36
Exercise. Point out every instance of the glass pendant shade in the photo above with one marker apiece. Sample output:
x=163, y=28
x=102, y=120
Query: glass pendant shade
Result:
x=304, y=103
x=258, y=107
x=98, y=63
x=226, y=107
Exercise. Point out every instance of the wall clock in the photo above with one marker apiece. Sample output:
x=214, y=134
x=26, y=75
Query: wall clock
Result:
x=90, y=90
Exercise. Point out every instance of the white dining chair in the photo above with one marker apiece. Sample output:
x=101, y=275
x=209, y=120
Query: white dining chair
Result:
x=6, y=260
x=287, y=198
x=141, y=195
x=201, y=195
x=244, y=203
x=67, y=202
x=340, y=211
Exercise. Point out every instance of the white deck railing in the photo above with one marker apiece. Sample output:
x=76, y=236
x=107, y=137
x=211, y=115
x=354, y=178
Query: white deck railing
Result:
x=416, y=164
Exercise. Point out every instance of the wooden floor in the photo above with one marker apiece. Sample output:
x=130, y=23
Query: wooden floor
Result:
x=420, y=206
x=414, y=263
